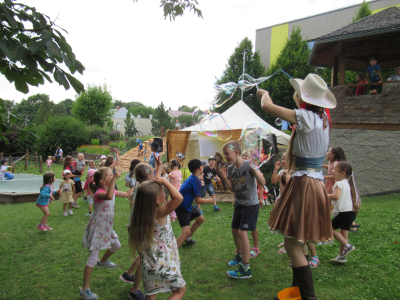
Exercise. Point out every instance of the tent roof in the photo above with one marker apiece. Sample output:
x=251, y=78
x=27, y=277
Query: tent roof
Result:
x=239, y=115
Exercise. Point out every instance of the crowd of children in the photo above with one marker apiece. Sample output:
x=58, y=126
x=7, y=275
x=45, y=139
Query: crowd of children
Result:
x=157, y=195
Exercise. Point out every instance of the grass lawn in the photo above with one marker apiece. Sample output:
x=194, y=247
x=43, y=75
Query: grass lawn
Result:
x=49, y=265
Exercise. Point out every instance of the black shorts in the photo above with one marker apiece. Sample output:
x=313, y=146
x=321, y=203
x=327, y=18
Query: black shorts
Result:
x=245, y=217
x=185, y=217
x=78, y=186
x=344, y=220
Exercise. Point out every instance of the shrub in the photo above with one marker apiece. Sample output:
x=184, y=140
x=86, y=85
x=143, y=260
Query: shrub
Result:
x=94, y=149
x=96, y=132
x=115, y=135
x=119, y=145
x=131, y=144
x=95, y=142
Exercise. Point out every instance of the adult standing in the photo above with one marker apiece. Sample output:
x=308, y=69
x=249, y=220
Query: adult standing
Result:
x=303, y=212
x=59, y=153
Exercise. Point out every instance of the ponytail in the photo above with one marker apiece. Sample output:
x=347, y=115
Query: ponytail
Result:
x=97, y=176
x=344, y=166
x=356, y=207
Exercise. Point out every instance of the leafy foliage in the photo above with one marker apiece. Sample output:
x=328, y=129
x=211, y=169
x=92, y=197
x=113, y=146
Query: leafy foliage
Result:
x=31, y=47
x=161, y=118
x=127, y=105
x=64, y=131
x=175, y=8
x=184, y=120
x=143, y=111
x=186, y=108
x=44, y=111
x=93, y=106
x=363, y=11
x=30, y=107
x=130, y=127
x=18, y=138
x=115, y=135
x=63, y=107
x=95, y=142
x=131, y=143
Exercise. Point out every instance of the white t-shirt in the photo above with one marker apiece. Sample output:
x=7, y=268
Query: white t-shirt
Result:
x=344, y=203
x=2, y=173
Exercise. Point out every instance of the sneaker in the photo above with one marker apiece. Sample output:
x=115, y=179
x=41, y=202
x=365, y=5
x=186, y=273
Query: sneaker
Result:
x=190, y=242
x=127, y=278
x=201, y=212
x=70, y=212
x=84, y=199
x=240, y=273
x=347, y=251
x=48, y=228
x=41, y=227
x=338, y=261
x=88, y=295
x=75, y=205
x=88, y=215
x=107, y=265
x=234, y=262
x=65, y=214
x=216, y=208
x=138, y=295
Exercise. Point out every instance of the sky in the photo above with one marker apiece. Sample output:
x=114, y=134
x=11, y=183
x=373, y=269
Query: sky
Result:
x=141, y=57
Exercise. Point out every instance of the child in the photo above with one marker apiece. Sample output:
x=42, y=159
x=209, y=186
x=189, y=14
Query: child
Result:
x=92, y=165
x=345, y=208
x=49, y=161
x=99, y=233
x=175, y=176
x=102, y=161
x=67, y=188
x=80, y=164
x=152, y=237
x=69, y=165
x=4, y=174
x=177, y=125
x=143, y=172
x=46, y=195
x=155, y=149
x=111, y=163
x=239, y=178
x=209, y=173
x=190, y=190
x=374, y=75
x=89, y=179
x=130, y=178
x=140, y=152
x=333, y=155
x=360, y=80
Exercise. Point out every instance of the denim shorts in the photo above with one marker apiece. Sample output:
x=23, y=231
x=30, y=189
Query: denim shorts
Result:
x=207, y=187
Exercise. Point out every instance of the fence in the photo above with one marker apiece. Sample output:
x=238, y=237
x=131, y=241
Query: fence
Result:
x=24, y=161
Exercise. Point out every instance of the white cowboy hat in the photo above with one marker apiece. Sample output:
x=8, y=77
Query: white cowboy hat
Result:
x=313, y=90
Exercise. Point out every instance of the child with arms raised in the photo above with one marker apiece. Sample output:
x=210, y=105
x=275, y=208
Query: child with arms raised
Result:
x=345, y=208
x=46, y=195
x=99, y=233
x=239, y=178
x=152, y=237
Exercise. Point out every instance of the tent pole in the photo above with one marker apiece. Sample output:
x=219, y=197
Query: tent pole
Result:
x=244, y=66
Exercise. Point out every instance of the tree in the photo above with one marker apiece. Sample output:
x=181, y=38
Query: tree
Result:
x=30, y=107
x=127, y=105
x=143, y=111
x=93, y=106
x=183, y=120
x=234, y=70
x=130, y=127
x=44, y=112
x=174, y=8
x=63, y=107
x=161, y=118
x=31, y=47
x=363, y=11
x=186, y=108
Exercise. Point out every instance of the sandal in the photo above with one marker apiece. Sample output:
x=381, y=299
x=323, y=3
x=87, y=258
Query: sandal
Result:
x=282, y=251
x=254, y=252
x=281, y=245
x=314, y=262
x=290, y=263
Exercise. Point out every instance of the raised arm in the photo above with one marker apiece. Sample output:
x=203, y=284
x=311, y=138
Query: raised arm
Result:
x=176, y=199
x=276, y=110
x=228, y=182
x=110, y=193
x=275, y=177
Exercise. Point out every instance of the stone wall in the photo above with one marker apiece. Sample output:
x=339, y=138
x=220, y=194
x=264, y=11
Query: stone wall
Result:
x=374, y=157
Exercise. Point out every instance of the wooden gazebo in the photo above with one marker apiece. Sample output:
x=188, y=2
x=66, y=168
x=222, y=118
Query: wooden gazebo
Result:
x=350, y=47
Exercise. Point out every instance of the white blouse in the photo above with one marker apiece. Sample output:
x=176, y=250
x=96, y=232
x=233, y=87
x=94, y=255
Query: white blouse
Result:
x=311, y=139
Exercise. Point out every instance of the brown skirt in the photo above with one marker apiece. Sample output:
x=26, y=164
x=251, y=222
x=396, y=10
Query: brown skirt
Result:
x=303, y=212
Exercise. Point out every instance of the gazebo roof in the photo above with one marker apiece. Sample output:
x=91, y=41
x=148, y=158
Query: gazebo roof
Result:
x=376, y=35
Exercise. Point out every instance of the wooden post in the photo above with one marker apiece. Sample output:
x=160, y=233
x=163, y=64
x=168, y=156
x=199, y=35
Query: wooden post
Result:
x=342, y=64
x=335, y=67
x=1, y=155
x=26, y=159
x=10, y=160
x=40, y=164
x=36, y=160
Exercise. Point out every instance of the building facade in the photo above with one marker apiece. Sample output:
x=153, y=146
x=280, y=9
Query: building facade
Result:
x=270, y=40
x=142, y=124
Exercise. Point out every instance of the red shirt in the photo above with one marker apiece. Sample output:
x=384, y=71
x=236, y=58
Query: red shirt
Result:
x=360, y=89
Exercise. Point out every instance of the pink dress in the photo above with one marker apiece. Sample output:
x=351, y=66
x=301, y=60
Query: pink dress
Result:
x=175, y=178
x=330, y=182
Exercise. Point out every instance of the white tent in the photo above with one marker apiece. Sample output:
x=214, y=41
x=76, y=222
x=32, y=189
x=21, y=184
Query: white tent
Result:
x=237, y=117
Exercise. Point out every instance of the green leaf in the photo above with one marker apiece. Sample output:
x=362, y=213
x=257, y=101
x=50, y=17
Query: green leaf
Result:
x=7, y=52
x=9, y=15
x=79, y=67
x=35, y=46
x=45, y=76
x=20, y=84
x=54, y=51
x=69, y=64
x=23, y=38
x=48, y=67
x=10, y=75
x=76, y=84
x=30, y=79
x=46, y=35
x=60, y=78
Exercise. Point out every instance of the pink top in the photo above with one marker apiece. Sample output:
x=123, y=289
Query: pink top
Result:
x=49, y=162
x=175, y=178
x=86, y=186
x=330, y=182
x=99, y=190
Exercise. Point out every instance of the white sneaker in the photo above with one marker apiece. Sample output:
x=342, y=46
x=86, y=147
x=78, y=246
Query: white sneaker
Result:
x=70, y=212
x=65, y=214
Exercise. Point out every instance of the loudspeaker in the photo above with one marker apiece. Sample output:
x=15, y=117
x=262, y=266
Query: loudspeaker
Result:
x=160, y=142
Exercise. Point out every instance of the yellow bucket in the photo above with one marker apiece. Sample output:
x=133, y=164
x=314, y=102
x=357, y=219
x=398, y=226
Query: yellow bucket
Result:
x=292, y=293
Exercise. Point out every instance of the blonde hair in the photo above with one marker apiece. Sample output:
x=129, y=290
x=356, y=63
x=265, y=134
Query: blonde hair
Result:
x=141, y=230
x=142, y=171
x=97, y=176
x=80, y=155
x=344, y=166
x=234, y=144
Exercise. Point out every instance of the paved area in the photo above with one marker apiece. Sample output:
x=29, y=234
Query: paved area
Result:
x=24, y=183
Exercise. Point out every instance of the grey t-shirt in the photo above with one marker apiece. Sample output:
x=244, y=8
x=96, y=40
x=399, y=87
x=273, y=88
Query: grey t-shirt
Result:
x=244, y=184
x=80, y=164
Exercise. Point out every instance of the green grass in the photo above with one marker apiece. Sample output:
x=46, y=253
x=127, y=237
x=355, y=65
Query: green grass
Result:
x=49, y=265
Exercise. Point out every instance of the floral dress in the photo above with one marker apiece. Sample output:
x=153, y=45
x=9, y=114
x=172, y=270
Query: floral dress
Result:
x=161, y=267
x=99, y=233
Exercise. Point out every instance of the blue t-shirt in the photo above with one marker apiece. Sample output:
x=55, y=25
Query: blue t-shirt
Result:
x=190, y=189
x=285, y=125
x=373, y=73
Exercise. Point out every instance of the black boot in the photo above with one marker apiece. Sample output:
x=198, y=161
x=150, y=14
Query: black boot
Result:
x=294, y=282
x=304, y=279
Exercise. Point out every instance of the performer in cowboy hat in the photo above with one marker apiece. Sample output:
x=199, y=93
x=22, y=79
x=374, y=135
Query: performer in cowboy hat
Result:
x=303, y=213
